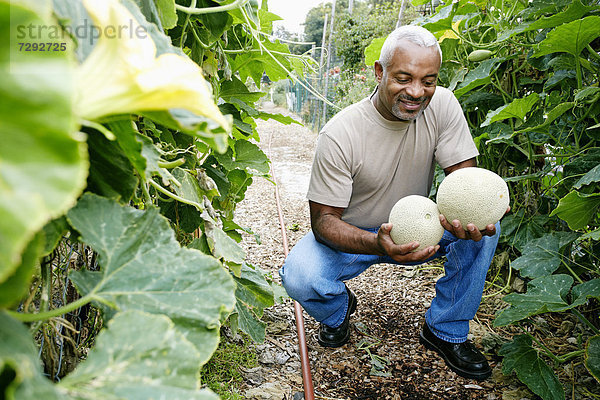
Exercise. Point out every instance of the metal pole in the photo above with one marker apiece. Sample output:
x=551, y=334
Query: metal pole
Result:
x=328, y=60
x=321, y=69
x=400, y=14
x=350, y=6
x=309, y=391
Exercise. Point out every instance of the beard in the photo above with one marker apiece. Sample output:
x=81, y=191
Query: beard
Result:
x=409, y=115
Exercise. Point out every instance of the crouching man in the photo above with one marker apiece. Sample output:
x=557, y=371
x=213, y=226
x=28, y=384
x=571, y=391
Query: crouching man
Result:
x=368, y=156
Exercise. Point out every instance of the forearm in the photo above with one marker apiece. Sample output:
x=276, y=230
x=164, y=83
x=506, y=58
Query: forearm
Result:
x=337, y=234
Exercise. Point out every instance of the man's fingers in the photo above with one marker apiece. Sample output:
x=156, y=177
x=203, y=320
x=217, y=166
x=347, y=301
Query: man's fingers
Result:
x=474, y=233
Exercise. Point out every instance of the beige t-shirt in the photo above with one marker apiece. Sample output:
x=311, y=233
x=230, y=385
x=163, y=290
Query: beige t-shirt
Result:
x=365, y=163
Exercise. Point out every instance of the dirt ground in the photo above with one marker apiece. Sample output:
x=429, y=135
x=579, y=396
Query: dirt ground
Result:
x=383, y=359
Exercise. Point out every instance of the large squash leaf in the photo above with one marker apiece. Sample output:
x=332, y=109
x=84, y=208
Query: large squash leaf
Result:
x=19, y=363
x=140, y=356
x=521, y=357
x=570, y=38
x=542, y=256
x=479, y=76
x=592, y=357
x=577, y=209
x=144, y=268
x=43, y=160
x=546, y=294
x=518, y=108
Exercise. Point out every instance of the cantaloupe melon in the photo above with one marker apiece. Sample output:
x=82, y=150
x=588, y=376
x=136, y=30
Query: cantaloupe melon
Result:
x=416, y=218
x=473, y=195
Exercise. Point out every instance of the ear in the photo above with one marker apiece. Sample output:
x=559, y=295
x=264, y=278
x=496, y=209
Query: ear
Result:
x=378, y=71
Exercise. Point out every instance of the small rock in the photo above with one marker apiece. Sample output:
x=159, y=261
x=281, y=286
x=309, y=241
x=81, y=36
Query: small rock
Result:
x=266, y=357
x=298, y=396
x=254, y=376
x=572, y=340
x=282, y=357
x=472, y=386
x=267, y=391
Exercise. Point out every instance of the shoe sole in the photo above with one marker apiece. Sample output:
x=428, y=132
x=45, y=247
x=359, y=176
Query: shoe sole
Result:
x=465, y=374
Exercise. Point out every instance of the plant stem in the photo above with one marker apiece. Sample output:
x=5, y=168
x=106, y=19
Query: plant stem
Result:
x=171, y=164
x=176, y=197
x=579, y=75
x=57, y=312
x=543, y=347
x=185, y=24
x=192, y=10
x=571, y=355
x=585, y=321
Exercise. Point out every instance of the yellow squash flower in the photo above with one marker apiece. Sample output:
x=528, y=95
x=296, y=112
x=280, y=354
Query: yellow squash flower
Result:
x=122, y=74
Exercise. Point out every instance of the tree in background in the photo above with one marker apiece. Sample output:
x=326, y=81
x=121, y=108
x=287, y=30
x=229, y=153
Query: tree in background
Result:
x=292, y=39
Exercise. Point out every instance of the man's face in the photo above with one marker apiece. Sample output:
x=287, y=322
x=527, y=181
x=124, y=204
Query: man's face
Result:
x=407, y=85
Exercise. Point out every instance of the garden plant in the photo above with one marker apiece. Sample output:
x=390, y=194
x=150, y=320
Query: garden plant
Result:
x=128, y=137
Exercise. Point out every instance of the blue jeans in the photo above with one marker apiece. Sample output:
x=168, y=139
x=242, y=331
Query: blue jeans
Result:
x=313, y=274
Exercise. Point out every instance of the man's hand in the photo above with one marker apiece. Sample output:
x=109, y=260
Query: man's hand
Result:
x=471, y=232
x=402, y=253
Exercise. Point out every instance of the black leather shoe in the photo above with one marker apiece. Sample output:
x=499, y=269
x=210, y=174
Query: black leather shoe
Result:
x=337, y=337
x=462, y=358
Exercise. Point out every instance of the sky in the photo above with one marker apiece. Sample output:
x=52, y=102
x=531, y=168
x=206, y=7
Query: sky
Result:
x=293, y=12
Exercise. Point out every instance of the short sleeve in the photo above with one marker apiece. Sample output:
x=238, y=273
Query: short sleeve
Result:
x=455, y=143
x=331, y=178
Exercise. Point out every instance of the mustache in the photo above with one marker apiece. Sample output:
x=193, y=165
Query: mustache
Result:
x=413, y=99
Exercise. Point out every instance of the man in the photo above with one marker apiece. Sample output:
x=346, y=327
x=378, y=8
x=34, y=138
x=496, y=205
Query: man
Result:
x=368, y=156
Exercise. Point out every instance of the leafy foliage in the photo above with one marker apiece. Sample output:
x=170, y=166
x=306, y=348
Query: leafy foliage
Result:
x=117, y=142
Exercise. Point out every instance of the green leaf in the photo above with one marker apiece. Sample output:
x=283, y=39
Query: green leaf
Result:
x=221, y=245
x=144, y=268
x=542, y=256
x=15, y=287
x=249, y=323
x=373, y=50
x=592, y=356
x=248, y=157
x=518, y=231
x=235, y=88
x=593, y=235
x=53, y=232
x=188, y=186
x=42, y=156
x=518, y=108
x=194, y=125
x=551, y=117
x=266, y=20
x=19, y=355
x=545, y=294
x=479, y=76
x=251, y=157
x=160, y=12
x=577, y=209
x=521, y=357
x=253, y=289
x=587, y=93
x=216, y=23
x=570, y=38
x=284, y=119
x=583, y=291
x=575, y=11
x=592, y=176
x=139, y=356
x=111, y=172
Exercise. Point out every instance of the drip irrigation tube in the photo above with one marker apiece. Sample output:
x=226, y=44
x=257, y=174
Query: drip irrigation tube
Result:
x=302, y=347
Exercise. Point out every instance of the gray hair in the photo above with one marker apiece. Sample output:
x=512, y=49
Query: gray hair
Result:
x=413, y=33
